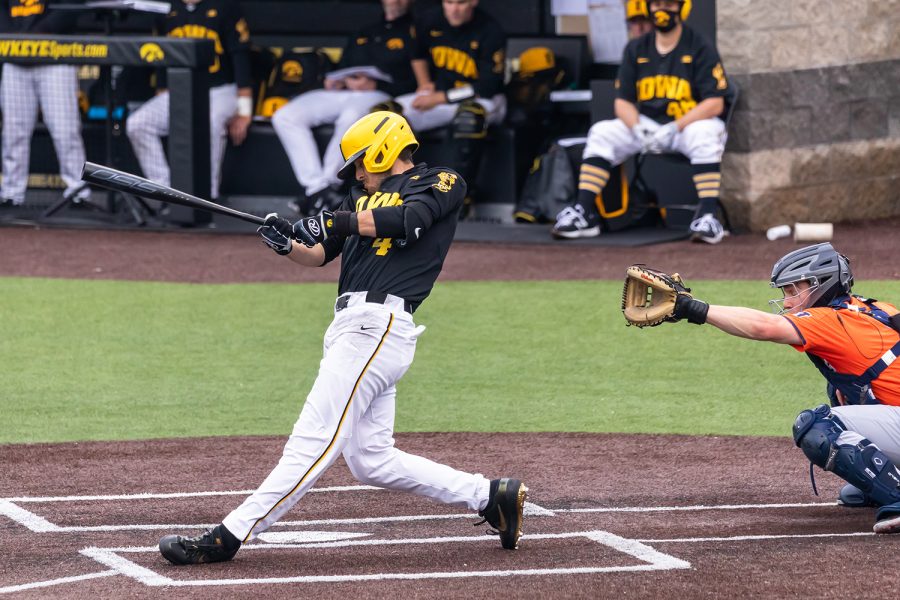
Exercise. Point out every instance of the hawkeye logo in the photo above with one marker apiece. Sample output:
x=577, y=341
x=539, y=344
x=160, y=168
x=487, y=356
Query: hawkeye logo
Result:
x=395, y=44
x=445, y=182
x=151, y=52
x=291, y=71
x=27, y=8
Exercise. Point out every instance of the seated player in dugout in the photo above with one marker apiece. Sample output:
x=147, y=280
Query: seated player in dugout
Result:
x=459, y=66
x=853, y=341
x=230, y=87
x=386, y=45
x=671, y=94
x=637, y=18
x=393, y=233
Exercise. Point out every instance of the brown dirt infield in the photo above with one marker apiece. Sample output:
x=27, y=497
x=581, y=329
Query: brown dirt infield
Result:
x=613, y=516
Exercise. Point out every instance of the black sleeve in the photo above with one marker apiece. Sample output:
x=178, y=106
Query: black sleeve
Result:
x=491, y=61
x=709, y=76
x=626, y=80
x=236, y=41
x=421, y=209
x=350, y=54
x=57, y=21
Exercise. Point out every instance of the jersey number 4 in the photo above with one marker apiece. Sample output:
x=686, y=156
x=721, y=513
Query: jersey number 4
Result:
x=383, y=245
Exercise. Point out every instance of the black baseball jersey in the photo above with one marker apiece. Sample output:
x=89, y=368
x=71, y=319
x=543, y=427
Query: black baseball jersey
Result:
x=388, y=45
x=666, y=87
x=426, y=201
x=222, y=22
x=471, y=54
x=36, y=16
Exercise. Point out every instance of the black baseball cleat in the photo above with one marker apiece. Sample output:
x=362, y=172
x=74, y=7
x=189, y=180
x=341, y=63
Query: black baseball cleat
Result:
x=504, y=510
x=215, y=545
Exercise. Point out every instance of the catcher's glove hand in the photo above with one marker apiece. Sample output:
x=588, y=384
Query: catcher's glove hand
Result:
x=651, y=297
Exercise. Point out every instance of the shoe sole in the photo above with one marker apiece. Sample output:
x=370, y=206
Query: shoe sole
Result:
x=521, y=496
x=696, y=237
x=580, y=233
x=889, y=525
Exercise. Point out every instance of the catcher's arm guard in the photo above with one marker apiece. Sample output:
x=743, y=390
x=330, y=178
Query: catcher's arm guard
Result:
x=649, y=296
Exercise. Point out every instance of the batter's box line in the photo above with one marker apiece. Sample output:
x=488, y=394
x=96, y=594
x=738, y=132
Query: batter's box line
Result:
x=651, y=559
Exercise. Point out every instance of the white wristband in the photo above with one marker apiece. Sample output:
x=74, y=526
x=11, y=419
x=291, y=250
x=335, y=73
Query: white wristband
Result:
x=245, y=106
x=459, y=94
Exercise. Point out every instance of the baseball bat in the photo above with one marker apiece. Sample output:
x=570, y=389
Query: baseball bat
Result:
x=121, y=181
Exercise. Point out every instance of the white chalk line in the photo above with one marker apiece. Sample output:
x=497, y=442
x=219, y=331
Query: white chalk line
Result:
x=51, y=582
x=642, y=509
x=652, y=560
x=26, y=518
x=599, y=536
x=746, y=538
x=155, y=496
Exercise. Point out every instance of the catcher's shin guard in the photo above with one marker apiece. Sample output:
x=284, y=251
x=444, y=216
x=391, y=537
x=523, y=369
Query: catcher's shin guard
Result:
x=827, y=444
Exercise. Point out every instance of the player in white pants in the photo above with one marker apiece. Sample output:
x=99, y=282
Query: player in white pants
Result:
x=443, y=114
x=392, y=233
x=671, y=92
x=230, y=101
x=351, y=92
x=54, y=90
x=294, y=123
x=150, y=122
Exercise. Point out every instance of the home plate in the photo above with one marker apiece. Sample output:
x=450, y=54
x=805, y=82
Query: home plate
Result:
x=307, y=537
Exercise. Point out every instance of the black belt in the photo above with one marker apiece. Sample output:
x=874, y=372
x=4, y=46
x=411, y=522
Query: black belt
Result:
x=373, y=297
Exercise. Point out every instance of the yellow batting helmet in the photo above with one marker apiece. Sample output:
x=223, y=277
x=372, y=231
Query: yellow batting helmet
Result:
x=379, y=137
x=683, y=13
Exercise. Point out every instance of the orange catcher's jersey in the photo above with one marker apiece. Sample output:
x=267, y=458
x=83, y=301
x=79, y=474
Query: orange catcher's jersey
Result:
x=851, y=342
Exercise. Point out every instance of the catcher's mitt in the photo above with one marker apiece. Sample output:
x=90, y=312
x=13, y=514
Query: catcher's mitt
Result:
x=648, y=298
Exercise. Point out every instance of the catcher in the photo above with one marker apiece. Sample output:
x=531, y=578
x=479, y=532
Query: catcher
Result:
x=852, y=340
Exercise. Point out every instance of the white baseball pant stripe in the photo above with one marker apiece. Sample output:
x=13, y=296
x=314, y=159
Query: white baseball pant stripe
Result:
x=442, y=114
x=295, y=121
x=148, y=124
x=703, y=142
x=879, y=423
x=350, y=410
x=53, y=88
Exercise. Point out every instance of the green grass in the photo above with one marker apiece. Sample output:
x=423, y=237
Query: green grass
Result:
x=100, y=360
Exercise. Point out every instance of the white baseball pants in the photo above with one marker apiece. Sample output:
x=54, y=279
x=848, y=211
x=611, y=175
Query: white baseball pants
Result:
x=703, y=142
x=442, y=114
x=53, y=88
x=350, y=410
x=150, y=122
x=295, y=121
x=878, y=423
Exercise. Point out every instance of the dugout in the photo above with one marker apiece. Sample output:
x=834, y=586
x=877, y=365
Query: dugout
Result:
x=257, y=175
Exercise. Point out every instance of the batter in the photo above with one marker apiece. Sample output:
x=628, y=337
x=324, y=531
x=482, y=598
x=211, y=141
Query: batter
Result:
x=393, y=233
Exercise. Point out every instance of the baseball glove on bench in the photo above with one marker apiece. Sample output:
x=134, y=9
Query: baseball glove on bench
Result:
x=651, y=297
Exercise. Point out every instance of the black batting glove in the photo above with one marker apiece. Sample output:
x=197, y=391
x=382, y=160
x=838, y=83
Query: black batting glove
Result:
x=310, y=231
x=277, y=232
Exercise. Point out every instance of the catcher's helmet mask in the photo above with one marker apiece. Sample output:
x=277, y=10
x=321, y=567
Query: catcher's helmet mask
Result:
x=824, y=268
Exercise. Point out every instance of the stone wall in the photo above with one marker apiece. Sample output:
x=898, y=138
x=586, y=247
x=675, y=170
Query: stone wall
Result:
x=815, y=135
